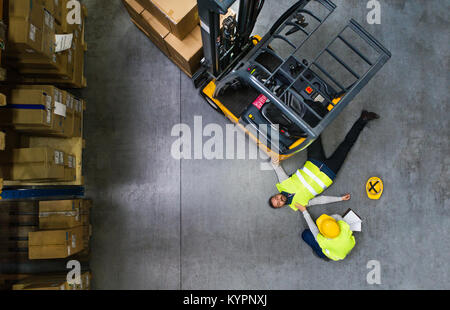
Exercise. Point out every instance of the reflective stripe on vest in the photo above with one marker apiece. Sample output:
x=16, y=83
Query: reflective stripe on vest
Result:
x=309, y=187
x=314, y=177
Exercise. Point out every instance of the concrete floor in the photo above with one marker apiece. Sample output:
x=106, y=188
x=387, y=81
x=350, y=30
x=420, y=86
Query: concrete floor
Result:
x=161, y=223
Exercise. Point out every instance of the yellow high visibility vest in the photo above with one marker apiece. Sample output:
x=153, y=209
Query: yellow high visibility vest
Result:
x=337, y=248
x=306, y=183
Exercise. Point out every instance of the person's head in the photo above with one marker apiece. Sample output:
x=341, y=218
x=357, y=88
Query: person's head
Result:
x=277, y=201
x=328, y=226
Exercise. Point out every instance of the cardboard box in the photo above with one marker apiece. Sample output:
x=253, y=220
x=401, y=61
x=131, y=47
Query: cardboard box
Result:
x=55, y=7
x=70, y=164
x=154, y=31
x=180, y=17
x=78, y=107
x=134, y=8
x=26, y=19
x=48, y=35
x=186, y=53
x=50, y=244
x=68, y=120
x=148, y=24
x=29, y=108
x=62, y=214
x=31, y=31
x=49, y=115
x=36, y=164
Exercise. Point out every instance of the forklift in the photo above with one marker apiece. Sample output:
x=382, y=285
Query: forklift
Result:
x=282, y=81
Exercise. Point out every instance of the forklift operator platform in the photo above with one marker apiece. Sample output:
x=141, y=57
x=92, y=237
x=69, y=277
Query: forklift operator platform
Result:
x=277, y=80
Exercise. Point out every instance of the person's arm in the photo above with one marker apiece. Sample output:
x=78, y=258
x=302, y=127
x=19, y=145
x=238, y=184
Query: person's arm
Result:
x=281, y=174
x=321, y=200
x=311, y=225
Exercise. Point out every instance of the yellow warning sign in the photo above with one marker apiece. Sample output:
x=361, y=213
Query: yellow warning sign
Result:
x=374, y=188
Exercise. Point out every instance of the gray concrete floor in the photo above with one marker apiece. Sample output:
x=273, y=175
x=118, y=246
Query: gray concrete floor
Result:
x=161, y=223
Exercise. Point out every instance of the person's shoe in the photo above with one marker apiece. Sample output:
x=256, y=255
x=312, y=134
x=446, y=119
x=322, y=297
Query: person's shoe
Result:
x=369, y=116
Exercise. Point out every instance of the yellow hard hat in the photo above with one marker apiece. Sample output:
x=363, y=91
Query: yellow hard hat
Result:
x=328, y=226
x=374, y=188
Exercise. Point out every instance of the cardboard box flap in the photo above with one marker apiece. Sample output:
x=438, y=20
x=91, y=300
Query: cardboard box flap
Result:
x=175, y=10
x=159, y=28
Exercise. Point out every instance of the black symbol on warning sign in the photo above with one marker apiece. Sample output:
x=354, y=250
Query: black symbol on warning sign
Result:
x=372, y=187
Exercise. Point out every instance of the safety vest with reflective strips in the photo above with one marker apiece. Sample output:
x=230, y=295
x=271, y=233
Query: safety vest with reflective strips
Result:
x=306, y=183
x=337, y=248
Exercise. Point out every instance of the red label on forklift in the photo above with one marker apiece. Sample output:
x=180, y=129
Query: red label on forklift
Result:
x=259, y=102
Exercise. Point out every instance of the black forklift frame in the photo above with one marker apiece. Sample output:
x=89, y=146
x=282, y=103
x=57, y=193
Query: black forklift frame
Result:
x=209, y=14
x=238, y=70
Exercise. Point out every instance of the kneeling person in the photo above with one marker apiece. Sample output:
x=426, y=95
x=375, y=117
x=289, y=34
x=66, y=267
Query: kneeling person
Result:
x=332, y=238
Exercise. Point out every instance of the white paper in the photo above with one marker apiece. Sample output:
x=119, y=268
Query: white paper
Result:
x=353, y=221
x=61, y=158
x=63, y=42
x=74, y=241
x=60, y=109
x=351, y=217
x=32, y=32
x=355, y=226
x=57, y=157
x=48, y=104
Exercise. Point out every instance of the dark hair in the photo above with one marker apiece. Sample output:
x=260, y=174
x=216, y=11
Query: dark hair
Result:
x=270, y=202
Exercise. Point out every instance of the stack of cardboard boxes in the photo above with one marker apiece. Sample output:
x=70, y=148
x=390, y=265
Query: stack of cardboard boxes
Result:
x=173, y=26
x=41, y=110
x=32, y=105
x=33, y=26
x=64, y=229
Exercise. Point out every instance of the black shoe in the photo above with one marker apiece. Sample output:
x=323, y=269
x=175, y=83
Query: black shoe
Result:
x=369, y=116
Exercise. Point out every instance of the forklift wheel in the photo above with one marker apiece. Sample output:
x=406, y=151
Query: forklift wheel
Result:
x=211, y=103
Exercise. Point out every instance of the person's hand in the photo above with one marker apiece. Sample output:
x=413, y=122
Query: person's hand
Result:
x=346, y=197
x=276, y=161
x=300, y=207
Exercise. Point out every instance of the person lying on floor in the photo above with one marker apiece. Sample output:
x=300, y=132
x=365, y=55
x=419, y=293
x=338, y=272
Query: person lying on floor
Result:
x=318, y=173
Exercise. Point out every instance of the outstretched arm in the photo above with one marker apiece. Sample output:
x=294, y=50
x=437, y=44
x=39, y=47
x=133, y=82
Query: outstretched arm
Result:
x=281, y=174
x=321, y=200
x=311, y=225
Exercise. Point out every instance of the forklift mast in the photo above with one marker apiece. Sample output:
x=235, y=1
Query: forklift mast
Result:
x=217, y=59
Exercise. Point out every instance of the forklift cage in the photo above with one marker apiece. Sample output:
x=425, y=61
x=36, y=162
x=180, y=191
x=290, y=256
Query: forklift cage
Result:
x=242, y=73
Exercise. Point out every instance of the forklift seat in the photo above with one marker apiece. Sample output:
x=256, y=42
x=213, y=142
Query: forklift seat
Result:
x=274, y=116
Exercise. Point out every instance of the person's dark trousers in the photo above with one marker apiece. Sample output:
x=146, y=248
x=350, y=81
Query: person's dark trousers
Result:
x=335, y=161
x=308, y=237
